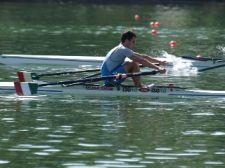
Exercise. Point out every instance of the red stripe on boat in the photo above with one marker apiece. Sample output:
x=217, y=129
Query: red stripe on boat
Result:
x=21, y=76
x=18, y=88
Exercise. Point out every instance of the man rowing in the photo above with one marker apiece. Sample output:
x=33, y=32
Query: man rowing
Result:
x=114, y=61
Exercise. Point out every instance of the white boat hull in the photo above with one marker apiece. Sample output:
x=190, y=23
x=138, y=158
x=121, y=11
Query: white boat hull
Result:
x=12, y=59
x=153, y=91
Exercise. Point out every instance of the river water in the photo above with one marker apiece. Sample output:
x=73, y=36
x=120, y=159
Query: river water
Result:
x=94, y=131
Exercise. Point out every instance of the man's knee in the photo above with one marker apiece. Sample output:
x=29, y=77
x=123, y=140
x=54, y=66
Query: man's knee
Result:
x=135, y=66
x=132, y=66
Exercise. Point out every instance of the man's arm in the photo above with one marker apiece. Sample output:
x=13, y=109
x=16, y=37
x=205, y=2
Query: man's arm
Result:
x=152, y=59
x=147, y=61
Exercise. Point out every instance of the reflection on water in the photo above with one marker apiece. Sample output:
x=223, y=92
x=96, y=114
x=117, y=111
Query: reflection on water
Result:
x=108, y=132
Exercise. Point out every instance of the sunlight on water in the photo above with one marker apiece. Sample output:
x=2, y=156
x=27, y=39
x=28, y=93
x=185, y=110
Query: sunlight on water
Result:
x=4, y=162
x=180, y=68
x=221, y=49
x=22, y=98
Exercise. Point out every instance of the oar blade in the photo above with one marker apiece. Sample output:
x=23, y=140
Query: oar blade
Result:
x=25, y=88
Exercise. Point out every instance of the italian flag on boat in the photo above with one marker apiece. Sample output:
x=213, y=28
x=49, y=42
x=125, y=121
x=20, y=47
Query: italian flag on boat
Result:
x=25, y=88
x=24, y=76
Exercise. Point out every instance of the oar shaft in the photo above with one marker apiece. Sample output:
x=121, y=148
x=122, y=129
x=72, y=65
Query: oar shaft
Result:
x=142, y=73
x=79, y=80
x=37, y=76
x=102, y=78
x=68, y=72
x=209, y=68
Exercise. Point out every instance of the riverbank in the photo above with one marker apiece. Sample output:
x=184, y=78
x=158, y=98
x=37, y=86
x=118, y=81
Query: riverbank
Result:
x=139, y=2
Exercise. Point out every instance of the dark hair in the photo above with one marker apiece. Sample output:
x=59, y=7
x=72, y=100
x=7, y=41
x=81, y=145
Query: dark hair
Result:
x=127, y=35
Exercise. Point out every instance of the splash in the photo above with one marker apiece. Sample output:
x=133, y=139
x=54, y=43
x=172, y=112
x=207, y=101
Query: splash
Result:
x=221, y=49
x=180, y=66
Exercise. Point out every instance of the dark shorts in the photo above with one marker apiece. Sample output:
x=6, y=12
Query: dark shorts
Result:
x=105, y=72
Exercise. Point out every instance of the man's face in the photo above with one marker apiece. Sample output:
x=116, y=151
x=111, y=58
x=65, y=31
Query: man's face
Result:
x=131, y=42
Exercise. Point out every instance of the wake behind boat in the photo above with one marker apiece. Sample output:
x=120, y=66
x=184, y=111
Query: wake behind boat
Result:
x=200, y=63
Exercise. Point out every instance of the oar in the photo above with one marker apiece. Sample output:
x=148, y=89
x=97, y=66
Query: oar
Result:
x=102, y=78
x=90, y=76
x=209, y=68
x=29, y=88
x=28, y=76
x=25, y=76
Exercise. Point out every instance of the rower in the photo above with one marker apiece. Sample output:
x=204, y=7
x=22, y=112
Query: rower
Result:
x=114, y=61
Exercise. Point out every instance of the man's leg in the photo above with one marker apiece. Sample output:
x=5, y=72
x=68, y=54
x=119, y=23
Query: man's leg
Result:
x=132, y=67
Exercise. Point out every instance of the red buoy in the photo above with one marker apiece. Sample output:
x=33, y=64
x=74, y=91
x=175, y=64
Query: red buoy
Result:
x=172, y=43
x=137, y=17
x=153, y=32
x=156, y=24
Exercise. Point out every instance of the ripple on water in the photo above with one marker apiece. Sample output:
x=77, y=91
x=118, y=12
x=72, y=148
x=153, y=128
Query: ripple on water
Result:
x=214, y=163
x=163, y=149
x=54, y=141
x=9, y=120
x=116, y=163
x=103, y=164
x=41, y=153
x=130, y=159
x=194, y=132
x=4, y=161
x=168, y=156
x=57, y=136
x=41, y=128
x=94, y=145
x=218, y=133
x=196, y=151
x=203, y=114
x=83, y=152
x=30, y=146
x=220, y=153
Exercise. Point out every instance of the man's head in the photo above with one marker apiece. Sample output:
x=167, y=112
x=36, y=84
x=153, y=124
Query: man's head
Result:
x=128, y=39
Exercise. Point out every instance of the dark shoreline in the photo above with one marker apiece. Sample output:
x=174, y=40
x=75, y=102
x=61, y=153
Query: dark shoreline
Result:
x=118, y=2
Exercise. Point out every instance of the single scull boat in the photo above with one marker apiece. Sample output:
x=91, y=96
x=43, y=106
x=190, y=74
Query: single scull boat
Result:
x=200, y=63
x=26, y=87
x=92, y=89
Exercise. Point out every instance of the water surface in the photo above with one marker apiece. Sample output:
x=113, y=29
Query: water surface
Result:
x=92, y=131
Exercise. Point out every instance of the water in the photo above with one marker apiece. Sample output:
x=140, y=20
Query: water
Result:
x=88, y=131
